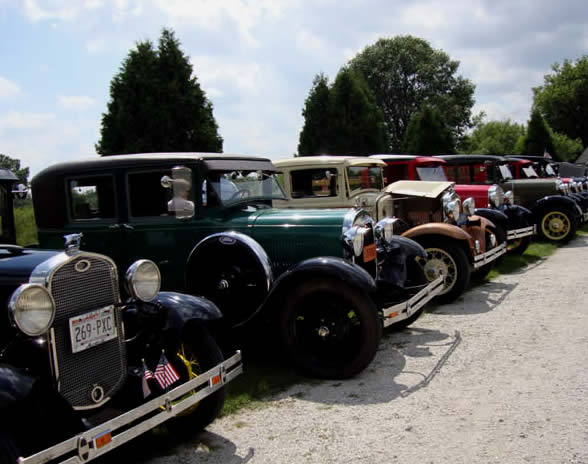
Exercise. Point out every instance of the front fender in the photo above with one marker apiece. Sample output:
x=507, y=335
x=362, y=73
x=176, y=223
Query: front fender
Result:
x=15, y=385
x=437, y=228
x=408, y=246
x=493, y=215
x=553, y=202
x=181, y=308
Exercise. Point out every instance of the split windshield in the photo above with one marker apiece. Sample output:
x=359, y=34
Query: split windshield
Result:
x=530, y=172
x=230, y=187
x=365, y=177
x=434, y=173
x=549, y=171
x=505, y=172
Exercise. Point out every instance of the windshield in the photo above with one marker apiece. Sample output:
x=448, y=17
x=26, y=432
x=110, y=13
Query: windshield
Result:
x=435, y=173
x=234, y=186
x=364, y=177
x=549, y=171
x=505, y=172
x=530, y=172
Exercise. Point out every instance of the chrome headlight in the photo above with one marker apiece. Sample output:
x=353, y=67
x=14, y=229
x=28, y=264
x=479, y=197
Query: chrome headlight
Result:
x=384, y=229
x=143, y=280
x=495, y=196
x=32, y=309
x=509, y=197
x=355, y=238
x=469, y=206
x=452, y=209
x=560, y=186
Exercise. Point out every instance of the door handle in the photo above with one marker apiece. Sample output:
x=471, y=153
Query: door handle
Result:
x=127, y=227
x=114, y=226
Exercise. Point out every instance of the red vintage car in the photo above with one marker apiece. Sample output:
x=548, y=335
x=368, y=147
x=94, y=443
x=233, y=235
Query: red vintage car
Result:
x=512, y=220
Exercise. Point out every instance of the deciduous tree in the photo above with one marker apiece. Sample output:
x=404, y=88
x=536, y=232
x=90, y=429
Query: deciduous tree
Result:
x=428, y=134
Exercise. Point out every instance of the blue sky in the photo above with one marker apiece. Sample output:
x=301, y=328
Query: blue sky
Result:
x=256, y=59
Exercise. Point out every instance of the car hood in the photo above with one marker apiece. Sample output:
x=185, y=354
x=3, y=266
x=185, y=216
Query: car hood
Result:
x=17, y=268
x=420, y=188
x=287, y=218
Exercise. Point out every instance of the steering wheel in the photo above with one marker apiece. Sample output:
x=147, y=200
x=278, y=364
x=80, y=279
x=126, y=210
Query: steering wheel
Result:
x=240, y=194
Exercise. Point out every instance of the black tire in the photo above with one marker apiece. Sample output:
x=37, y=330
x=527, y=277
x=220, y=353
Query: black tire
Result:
x=518, y=246
x=9, y=452
x=329, y=329
x=197, y=353
x=557, y=225
x=451, y=259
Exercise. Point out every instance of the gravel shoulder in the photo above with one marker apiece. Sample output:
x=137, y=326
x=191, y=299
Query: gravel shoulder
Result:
x=500, y=376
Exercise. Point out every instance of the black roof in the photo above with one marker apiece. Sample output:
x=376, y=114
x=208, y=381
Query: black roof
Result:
x=471, y=159
x=7, y=175
x=212, y=160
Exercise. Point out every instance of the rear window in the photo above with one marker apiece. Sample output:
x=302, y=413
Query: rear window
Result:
x=91, y=198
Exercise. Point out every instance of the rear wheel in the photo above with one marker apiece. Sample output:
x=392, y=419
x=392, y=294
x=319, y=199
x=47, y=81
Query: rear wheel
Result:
x=329, y=329
x=447, y=258
x=197, y=353
x=558, y=225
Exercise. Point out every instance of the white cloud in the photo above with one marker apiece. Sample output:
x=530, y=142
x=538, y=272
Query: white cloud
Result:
x=96, y=45
x=54, y=9
x=8, y=88
x=218, y=74
x=17, y=120
x=75, y=102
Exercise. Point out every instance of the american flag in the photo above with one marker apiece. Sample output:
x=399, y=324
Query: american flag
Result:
x=165, y=374
x=147, y=374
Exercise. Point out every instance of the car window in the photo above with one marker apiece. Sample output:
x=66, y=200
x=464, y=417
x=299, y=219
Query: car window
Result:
x=365, y=177
x=161, y=193
x=395, y=172
x=432, y=173
x=314, y=182
x=91, y=198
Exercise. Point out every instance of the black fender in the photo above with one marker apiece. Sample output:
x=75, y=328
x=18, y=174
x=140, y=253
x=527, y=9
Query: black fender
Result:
x=518, y=216
x=15, y=385
x=182, y=308
x=394, y=261
x=304, y=271
x=408, y=246
x=497, y=217
x=553, y=202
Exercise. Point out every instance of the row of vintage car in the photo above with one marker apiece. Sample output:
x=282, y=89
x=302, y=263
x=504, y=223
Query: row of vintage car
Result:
x=322, y=252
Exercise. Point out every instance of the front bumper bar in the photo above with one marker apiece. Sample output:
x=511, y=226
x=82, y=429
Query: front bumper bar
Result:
x=97, y=441
x=485, y=258
x=404, y=310
x=522, y=232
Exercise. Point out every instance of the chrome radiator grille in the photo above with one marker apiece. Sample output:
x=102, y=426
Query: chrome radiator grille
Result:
x=102, y=366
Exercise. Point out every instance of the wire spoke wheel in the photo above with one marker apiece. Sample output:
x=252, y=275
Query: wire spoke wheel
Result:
x=191, y=369
x=440, y=262
x=555, y=225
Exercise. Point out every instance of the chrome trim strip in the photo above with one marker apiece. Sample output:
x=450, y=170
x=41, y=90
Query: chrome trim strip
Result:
x=518, y=233
x=489, y=256
x=401, y=311
x=227, y=370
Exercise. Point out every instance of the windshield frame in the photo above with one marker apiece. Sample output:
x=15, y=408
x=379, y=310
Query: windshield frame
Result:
x=529, y=172
x=226, y=184
x=432, y=169
x=505, y=175
x=378, y=185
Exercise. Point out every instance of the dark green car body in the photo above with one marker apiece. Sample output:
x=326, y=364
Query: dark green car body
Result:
x=224, y=241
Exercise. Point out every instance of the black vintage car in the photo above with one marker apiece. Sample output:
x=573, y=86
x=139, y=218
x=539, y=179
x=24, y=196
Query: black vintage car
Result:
x=323, y=283
x=86, y=367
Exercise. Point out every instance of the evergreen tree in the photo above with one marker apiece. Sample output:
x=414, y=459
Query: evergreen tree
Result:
x=312, y=140
x=538, y=139
x=355, y=123
x=428, y=134
x=156, y=104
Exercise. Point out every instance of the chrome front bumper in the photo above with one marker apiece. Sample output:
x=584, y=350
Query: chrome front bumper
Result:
x=401, y=311
x=485, y=258
x=99, y=440
x=522, y=232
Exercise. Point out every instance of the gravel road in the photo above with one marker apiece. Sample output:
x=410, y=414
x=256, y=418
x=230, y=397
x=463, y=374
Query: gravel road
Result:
x=500, y=376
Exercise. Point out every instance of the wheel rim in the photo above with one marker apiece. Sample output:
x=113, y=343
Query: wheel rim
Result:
x=514, y=244
x=192, y=369
x=555, y=225
x=440, y=262
x=326, y=329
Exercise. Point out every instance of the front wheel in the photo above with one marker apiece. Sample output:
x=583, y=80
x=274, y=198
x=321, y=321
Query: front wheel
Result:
x=447, y=258
x=329, y=329
x=197, y=353
x=558, y=225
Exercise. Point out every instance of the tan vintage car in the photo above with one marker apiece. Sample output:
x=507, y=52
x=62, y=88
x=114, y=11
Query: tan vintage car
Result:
x=430, y=213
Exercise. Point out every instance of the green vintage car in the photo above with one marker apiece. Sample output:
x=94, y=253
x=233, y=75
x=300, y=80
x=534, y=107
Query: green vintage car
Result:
x=325, y=282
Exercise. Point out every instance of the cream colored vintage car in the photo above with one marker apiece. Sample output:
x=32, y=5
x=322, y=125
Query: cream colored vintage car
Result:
x=430, y=213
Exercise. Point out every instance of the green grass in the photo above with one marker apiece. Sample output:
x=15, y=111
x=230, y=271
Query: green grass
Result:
x=511, y=263
x=26, y=227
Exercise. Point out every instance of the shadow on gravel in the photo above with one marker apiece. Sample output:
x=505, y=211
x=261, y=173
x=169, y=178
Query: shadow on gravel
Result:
x=157, y=445
x=481, y=298
x=579, y=241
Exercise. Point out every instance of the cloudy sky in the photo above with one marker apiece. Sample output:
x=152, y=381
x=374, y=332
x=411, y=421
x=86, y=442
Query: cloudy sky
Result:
x=256, y=59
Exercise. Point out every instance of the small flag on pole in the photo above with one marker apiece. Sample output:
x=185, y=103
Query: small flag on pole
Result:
x=546, y=154
x=147, y=374
x=165, y=374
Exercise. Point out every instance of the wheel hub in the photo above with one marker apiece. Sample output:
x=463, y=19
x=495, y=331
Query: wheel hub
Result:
x=434, y=268
x=323, y=331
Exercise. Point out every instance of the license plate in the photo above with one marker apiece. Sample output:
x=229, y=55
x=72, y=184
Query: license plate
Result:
x=369, y=253
x=91, y=329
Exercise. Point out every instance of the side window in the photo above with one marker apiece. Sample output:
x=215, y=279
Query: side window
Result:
x=92, y=198
x=451, y=173
x=161, y=193
x=463, y=175
x=480, y=173
x=314, y=183
x=395, y=172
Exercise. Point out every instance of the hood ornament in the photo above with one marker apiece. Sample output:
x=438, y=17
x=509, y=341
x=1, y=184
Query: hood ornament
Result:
x=72, y=243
